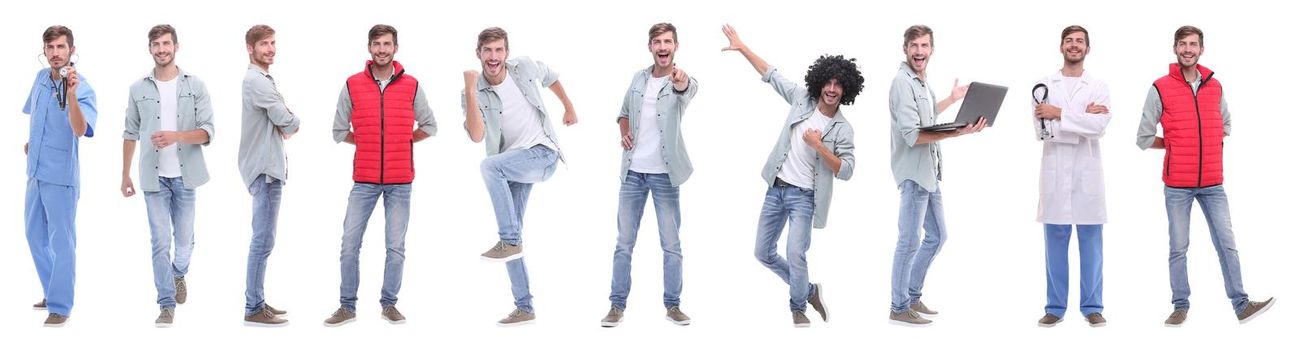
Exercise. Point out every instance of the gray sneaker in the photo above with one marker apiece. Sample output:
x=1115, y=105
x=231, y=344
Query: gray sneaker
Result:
x=1254, y=309
x=677, y=317
x=817, y=300
x=613, y=319
x=503, y=252
x=1048, y=321
x=274, y=311
x=393, y=316
x=908, y=318
x=800, y=320
x=39, y=306
x=517, y=318
x=919, y=307
x=56, y=320
x=264, y=318
x=164, y=318
x=340, y=317
x=182, y=292
x=1176, y=319
x=1095, y=320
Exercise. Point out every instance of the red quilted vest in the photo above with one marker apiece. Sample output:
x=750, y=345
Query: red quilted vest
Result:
x=382, y=126
x=1193, y=131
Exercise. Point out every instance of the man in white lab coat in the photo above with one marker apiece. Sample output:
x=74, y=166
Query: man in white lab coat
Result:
x=1070, y=123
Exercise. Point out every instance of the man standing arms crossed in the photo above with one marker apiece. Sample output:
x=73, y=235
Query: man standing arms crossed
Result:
x=503, y=109
x=1070, y=123
x=654, y=160
x=173, y=109
x=267, y=122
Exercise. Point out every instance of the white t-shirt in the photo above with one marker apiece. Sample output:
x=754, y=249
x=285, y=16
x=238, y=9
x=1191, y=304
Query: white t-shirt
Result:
x=520, y=124
x=168, y=158
x=1069, y=84
x=647, y=155
x=800, y=165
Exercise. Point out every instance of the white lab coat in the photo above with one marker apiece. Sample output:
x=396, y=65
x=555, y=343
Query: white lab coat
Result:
x=1071, y=184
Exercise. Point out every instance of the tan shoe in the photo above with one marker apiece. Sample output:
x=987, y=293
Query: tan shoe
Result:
x=1176, y=318
x=264, y=318
x=919, y=307
x=276, y=312
x=39, y=306
x=800, y=320
x=612, y=319
x=165, y=318
x=503, y=252
x=1254, y=309
x=340, y=317
x=817, y=300
x=182, y=292
x=1095, y=320
x=677, y=317
x=393, y=316
x=517, y=318
x=56, y=321
x=1048, y=321
x=908, y=318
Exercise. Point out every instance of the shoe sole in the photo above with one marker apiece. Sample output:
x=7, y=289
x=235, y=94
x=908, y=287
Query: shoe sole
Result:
x=350, y=320
x=1259, y=312
x=825, y=308
x=1049, y=325
x=505, y=259
x=679, y=323
x=1096, y=325
x=50, y=325
x=802, y=325
x=39, y=308
x=391, y=321
x=265, y=325
x=515, y=324
x=607, y=324
x=161, y=325
x=909, y=324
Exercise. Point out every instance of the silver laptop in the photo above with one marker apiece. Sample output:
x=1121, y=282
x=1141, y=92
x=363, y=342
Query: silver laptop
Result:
x=982, y=100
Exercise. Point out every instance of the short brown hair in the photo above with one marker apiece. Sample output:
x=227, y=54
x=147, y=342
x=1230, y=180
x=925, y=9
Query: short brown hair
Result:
x=257, y=33
x=1075, y=29
x=1181, y=33
x=162, y=29
x=56, y=31
x=917, y=31
x=379, y=30
x=493, y=34
x=659, y=29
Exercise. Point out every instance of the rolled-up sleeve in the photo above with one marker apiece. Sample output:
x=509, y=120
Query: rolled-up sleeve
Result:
x=423, y=113
x=266, y=98
x=843, y=148
x=203, y=118
x=547, y=76
x=131, y=131
x=904, y=110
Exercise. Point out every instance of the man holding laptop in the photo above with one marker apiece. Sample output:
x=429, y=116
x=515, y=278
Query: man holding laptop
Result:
x=917, y=168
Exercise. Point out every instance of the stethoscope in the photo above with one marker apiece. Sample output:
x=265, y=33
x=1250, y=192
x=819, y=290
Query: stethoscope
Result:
x=60, y=88
x=1039, y=96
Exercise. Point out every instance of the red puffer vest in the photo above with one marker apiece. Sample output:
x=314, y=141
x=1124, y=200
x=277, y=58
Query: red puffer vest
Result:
x=1193, y=129
x=382, y=126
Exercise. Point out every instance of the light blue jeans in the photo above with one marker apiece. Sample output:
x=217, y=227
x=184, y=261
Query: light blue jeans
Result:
x=1091, y=259
x=1213, y=202
x=171, y=216
x=795, y=205
x=360, y=204
x=509, y=177
x=266, y=215
x=912, y=257
x=631, y=208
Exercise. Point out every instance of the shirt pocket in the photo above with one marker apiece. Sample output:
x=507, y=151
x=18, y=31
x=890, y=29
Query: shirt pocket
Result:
x=186, y=110
x=150, y=111
x=925, y=107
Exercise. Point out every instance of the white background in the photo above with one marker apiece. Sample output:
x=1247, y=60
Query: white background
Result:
x=987, y=282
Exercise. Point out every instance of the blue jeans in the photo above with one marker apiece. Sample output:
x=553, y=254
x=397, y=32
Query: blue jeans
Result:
x=795, y=205
x=631, y=207
x=266, y=213
x=509, y=177
x=912, y=257
x=1213, y=202
x=1057, y=268
x=171, y=215
x=360, y=204
x=51, y=212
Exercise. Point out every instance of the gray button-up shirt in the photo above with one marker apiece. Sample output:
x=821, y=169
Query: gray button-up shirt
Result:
x=912, y=106
x=265, y=120
x=671, y=107
x=144, y=117
x=1153, y=111
x=526, y=74
x=837, y=136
